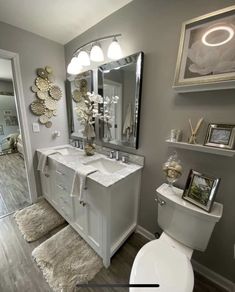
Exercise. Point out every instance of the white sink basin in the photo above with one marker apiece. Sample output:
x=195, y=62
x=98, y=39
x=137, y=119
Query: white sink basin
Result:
x=68, y=151
x=106, y=166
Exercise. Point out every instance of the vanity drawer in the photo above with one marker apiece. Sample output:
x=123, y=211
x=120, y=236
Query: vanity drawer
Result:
x=64, y=176
x=64, y=200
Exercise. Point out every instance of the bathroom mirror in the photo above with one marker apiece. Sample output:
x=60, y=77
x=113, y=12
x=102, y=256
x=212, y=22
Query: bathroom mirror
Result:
x=119, y=83
x=76, y=88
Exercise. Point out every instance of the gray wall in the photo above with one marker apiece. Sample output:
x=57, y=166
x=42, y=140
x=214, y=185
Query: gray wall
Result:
x=153, y=26
x=34, y=52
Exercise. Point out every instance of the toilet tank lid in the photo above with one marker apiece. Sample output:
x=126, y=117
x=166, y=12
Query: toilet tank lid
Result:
x=175, y=198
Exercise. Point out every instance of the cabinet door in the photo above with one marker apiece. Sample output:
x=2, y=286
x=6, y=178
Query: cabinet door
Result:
x=46, y=185
x=79, y=215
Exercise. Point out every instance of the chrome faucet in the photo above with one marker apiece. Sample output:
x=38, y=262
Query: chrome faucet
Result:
x=117, y=155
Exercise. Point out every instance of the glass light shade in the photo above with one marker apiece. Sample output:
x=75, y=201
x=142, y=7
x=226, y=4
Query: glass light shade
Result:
x=74, y=66
x=96, y=54
x=114, y=50
x=83, y=58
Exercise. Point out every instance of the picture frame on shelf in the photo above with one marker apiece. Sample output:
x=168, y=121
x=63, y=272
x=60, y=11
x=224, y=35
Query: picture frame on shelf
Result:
x=220, y=136
x=200, y=189
x=205, y=56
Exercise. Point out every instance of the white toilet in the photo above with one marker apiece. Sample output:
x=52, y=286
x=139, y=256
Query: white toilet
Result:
x=166, y=261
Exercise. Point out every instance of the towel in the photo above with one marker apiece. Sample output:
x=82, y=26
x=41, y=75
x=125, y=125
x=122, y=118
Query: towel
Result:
x=128, y=124
x=79, y=182
x=42, y=163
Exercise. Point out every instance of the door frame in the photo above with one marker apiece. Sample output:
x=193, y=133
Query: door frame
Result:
x=23, y=123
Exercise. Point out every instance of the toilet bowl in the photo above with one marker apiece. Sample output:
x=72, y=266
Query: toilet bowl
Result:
x=166, y=261
x=161, y=262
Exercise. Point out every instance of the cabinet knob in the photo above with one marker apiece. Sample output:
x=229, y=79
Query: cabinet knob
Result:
x=83, y=203
x=160, y=201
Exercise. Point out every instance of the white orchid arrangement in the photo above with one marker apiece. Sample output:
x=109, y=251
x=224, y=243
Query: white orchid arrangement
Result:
x=89, y=109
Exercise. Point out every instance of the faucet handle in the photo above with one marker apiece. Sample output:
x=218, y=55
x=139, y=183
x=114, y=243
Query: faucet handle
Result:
x=125, y=159
x=111, y=154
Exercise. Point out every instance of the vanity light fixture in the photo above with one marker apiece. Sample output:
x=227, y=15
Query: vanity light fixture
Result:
x=83, y=58
x=224, y=28
x=74, y=66
x=114, y=50
x=84, y=55
x=96, y=54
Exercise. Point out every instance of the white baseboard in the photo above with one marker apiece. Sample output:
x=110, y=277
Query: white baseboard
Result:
x=141, y=230
x=207, y=273
x=214, y=277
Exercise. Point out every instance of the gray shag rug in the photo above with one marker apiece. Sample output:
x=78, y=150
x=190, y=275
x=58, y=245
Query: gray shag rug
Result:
x=37, y=220
x=66, y=260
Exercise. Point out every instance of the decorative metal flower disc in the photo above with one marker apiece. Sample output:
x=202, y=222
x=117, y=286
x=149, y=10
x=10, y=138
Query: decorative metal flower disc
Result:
x=38, y=107
x=43, y=119
x=42, y=84
x=51, y=77
x=50, y=104
x=42, y=73
x=49, y=70
x=83, y=83
x=48, y=124
x=77, y=95
x=34, y=88
x=42, y=94
x=49, y=113
x=55, y=92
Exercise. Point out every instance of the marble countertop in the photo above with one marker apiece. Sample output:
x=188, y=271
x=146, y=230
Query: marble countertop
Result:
x=79, y=159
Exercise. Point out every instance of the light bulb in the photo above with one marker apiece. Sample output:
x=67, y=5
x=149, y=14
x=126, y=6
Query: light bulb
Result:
x=83, y=58
x=96, y=54
x=74, y=66
x=114, y=50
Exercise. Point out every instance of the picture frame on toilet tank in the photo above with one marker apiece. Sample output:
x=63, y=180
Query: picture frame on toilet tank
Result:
x=200, y=189
x=206, y=59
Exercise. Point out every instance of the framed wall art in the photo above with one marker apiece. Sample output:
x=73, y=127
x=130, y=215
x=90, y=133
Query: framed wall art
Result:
x=206, y=59
x=200, y=190
x=220, y=136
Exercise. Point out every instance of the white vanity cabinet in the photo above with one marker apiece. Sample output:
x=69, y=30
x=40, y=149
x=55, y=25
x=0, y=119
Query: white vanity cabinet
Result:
x=109, y=214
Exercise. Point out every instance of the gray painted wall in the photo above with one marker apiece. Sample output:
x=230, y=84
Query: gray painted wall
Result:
x=34, y=52
x=153, y=26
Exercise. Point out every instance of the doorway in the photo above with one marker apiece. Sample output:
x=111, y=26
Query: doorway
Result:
x=15, y=187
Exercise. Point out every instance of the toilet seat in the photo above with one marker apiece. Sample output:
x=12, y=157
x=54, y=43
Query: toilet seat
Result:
x=158, y=262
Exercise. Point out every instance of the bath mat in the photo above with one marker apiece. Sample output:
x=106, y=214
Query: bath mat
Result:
x=37, y=220
x=66, y=260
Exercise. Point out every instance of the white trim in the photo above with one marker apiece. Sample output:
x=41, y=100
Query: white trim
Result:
x=207, y=273
x=213, y=277
x=23, y=123
x=141, y=230
x=122, y=239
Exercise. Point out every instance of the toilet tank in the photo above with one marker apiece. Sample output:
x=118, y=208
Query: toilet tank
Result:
x=183, y=221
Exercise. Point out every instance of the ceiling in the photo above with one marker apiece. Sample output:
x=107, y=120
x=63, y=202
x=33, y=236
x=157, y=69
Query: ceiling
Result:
x=58, y=20
x=5, y=69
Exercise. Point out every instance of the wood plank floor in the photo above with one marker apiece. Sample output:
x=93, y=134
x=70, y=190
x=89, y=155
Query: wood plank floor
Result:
x=14, y=192
x=19, y=273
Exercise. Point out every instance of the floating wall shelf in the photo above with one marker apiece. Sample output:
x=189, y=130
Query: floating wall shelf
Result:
x=202, y=148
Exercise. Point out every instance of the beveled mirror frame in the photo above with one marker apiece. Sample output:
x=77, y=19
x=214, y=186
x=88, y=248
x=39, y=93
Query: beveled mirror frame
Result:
x=138, y=91
x=69, y=100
